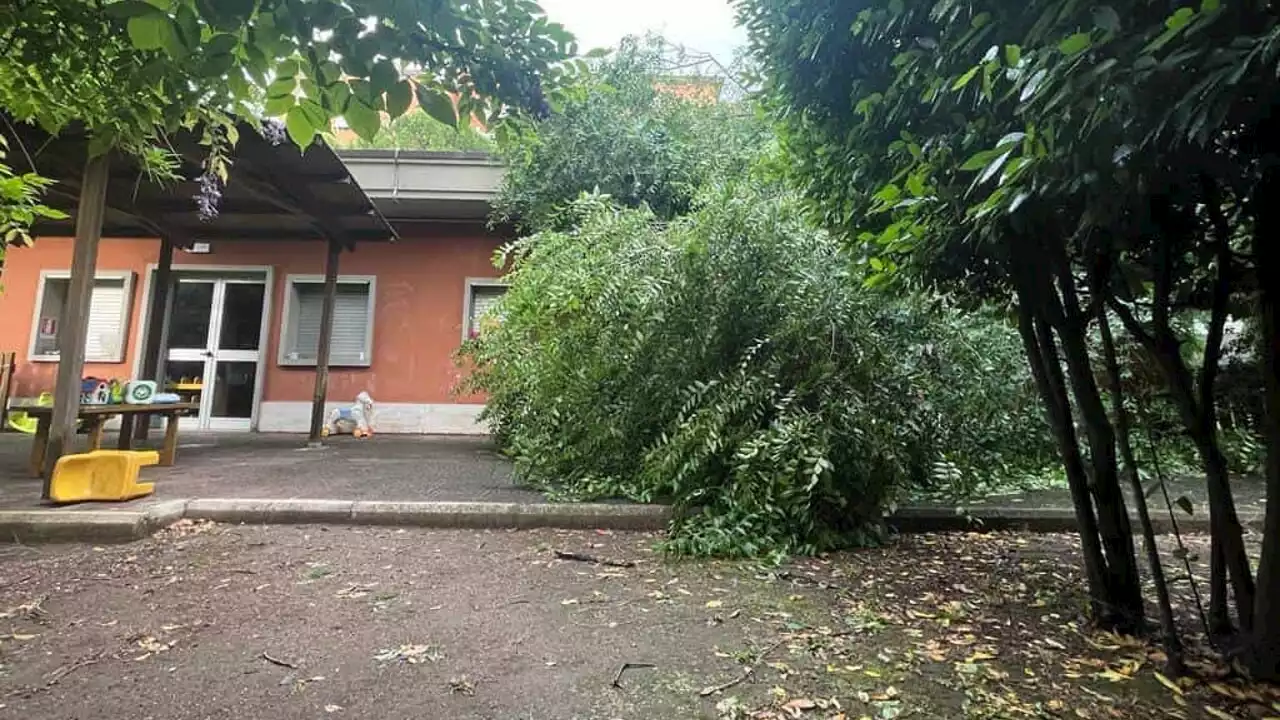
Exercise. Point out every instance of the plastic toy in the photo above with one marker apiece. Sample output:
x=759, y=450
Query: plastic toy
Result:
x=107, y=475
x=356, y=420
x=95, y=391
x=22, y=422
x=140, y=392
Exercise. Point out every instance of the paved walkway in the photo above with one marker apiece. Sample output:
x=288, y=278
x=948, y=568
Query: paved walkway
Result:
x=244, y=465
x=452, y=482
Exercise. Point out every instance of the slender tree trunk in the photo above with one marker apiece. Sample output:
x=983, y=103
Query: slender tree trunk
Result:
x=1046, y=369
x=1113, y=517
x=1172, y=642
x=1264, y=655
x=1058, y=411
x=1219, y=615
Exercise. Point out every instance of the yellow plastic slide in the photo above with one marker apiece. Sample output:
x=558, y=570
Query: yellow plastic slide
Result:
x=107, y=475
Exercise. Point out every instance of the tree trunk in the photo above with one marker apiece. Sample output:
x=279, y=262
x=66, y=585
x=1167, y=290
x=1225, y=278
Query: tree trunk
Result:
x=1219, y=615
x=1196, y=407
x=1113, y=518
x=1264, y=655
x=1038, y=340
x=1058, y=411
x=1172, y=642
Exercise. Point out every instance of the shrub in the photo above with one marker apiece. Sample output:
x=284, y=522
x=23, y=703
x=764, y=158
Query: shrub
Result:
x=728, y=363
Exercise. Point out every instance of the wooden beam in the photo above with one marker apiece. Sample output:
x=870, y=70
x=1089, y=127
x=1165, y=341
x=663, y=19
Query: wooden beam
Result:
x=326, y=337
x=73, y=327
x=157, y=340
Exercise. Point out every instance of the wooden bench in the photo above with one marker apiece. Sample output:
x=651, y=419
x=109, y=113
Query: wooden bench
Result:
x=96, y=417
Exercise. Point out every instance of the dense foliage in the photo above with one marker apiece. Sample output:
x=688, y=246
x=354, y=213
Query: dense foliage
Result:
x=20, y=204
x=1102, y=165
x=128, y=72
x=618, y=132
x=419, y=131
x=727, y=361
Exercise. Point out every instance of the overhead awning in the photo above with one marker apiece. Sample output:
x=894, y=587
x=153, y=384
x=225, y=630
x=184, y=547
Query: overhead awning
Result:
x=273, y=192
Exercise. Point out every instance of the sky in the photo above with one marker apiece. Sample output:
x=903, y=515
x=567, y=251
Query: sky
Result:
x=701, y=25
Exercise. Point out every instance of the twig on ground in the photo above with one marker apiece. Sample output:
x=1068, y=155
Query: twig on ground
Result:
x=278, y=661
x=747, y=672
x=617, y=678
x=19, y=581
x=52, y=678
x=788, y=576
x=579, y=557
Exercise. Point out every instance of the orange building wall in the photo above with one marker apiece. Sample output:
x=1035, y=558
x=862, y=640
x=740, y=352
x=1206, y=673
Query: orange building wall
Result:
x=419, y=300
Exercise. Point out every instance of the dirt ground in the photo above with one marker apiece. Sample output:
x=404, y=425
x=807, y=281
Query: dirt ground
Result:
x=208, y=621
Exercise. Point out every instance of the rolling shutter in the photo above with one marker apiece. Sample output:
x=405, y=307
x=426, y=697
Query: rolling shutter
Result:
x=483, y=299
x=350, y=342
x=106, y=326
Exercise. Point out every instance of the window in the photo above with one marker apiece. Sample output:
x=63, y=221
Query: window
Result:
x=352, y=341
x=482, y=296
x=108, y=316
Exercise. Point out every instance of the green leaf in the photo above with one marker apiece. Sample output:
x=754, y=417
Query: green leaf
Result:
x=217, y=65
x=278, y=106
x=1033, y=84
x=1011, y=138
x=979, y=160
x=1075, y=44
x=1208, y=6
x=238, y=86
x=889, y=194
x=301, y=131
x=221, y=44
x=330, y=72
x=994, y=167
x=1179, y=19
x=130, y=8
x=965, y=78
x=1012, y=54
x=399, y=98
x=438, y=105
x=171, y=40
x=287, y=68
x=147, y=32
x=915, y=185
x=363, y=119
x=282, y=86
x=383, y=76
x=315, y=113
x=188, y=26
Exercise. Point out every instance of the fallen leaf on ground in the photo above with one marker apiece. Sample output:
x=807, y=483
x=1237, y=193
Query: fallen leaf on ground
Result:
x=412, y=654
x=1169, y=683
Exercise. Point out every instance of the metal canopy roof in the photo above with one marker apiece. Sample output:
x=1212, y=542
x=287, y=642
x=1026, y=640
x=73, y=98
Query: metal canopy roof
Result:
x=272, y=192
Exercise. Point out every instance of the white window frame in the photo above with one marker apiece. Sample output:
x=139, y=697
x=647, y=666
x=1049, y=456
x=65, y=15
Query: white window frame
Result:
x=126, y=278
x=468, y=294
x=286, y=319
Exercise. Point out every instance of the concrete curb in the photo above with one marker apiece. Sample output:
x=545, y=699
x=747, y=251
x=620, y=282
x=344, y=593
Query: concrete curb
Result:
x=97, y=526
x=431, y=514
x=114, y=526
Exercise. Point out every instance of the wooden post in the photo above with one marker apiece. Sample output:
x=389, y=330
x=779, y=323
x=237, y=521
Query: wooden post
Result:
x=326, y=336
x=157, y=342
x=73, y=327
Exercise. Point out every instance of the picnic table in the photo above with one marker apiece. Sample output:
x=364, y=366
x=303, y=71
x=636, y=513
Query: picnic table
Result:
x=96, y=417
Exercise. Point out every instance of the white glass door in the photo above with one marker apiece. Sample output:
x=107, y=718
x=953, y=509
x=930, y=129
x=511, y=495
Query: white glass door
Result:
x=214, y=347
